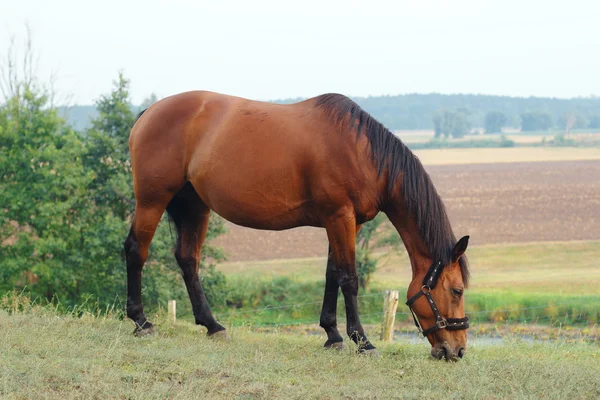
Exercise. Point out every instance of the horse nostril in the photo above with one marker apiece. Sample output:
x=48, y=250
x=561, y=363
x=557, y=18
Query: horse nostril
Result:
x=461, y=352
x=438, y=353
x=444, y=353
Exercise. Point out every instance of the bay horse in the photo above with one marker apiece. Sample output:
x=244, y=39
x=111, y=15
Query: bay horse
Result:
x=322, y=162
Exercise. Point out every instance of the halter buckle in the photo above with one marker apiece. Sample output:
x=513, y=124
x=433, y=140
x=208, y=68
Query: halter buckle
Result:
x=442, y=323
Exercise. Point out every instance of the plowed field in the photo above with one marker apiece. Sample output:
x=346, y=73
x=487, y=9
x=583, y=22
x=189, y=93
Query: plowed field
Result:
x=494, y=203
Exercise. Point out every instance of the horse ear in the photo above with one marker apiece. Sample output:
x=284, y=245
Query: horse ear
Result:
x=460, y=248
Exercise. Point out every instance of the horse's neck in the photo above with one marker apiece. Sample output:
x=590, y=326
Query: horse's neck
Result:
x=417, y=249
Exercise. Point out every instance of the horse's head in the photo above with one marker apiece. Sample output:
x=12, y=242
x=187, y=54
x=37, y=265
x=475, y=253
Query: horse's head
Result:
x=435, y=297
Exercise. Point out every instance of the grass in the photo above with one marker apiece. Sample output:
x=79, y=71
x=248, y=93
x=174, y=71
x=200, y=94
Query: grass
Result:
x=46, y=352
x=49, y=356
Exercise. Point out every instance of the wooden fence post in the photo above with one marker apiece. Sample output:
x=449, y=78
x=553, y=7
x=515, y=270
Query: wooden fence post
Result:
x=172, y=311
x=390, y=304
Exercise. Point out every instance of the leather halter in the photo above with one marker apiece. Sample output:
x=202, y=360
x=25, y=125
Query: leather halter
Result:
x=429, y=282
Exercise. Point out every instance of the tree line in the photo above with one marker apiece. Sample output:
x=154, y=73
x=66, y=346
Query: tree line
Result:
x=458, y=123
x=419, y=111
x=423, y=111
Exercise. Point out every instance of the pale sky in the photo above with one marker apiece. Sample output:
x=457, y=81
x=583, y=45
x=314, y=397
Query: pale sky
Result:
x=280, y=49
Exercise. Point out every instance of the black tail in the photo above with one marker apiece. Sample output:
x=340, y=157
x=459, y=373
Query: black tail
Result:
x=140, y=114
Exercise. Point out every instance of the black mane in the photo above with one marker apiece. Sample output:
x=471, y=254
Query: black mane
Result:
x=390, y=154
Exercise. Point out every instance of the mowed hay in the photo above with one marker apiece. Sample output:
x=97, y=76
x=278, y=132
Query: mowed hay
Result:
x=45, y=355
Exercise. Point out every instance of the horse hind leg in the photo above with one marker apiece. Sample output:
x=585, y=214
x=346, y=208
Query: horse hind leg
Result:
x=136, y=245
x=328, y=313
x=191, y=215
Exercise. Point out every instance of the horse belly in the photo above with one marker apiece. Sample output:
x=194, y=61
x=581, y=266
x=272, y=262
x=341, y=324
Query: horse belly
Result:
x=255, y=199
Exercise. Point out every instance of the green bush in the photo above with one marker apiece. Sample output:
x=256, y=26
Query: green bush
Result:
x=215, y=287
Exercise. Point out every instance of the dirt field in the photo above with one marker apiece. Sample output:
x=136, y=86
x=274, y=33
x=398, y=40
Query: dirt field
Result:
x=494, y=203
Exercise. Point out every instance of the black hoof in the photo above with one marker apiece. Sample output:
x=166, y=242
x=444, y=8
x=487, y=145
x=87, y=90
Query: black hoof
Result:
x=149, y=330
x=369, y=352
x=335, y=345
x=221, y=336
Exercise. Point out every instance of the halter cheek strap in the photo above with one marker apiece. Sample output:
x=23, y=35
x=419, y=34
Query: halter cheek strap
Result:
x=429, y=283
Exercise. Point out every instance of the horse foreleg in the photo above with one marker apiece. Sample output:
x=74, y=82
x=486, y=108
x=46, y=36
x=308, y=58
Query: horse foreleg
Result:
x=341, y=232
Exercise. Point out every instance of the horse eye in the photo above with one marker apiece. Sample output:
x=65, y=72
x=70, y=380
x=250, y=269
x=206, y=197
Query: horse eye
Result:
x=457, y=292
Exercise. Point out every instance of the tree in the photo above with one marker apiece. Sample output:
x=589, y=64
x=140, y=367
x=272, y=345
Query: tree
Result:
x=42, y=192
x=366, y=263
x=594, y=122
x=535, y=121
x=572, y=120
x=108, y=150
x=437, y=123
x=148, y=101
x=451, y=123
x=459, y=124
x=494, y=121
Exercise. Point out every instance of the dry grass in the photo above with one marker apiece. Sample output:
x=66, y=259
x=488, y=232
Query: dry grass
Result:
x=52, y=356
x=47, y=356
x=506, y=155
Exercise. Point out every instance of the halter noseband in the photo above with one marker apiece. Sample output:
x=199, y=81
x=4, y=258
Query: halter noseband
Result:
x=429, y=282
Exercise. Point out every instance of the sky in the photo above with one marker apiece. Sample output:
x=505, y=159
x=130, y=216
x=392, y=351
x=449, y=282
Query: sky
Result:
x=264, y=49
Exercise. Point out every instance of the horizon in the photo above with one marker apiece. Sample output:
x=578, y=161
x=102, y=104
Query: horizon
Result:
x=589, y=97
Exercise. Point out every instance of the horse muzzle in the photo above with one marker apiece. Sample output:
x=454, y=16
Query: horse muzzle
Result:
x=443, y=351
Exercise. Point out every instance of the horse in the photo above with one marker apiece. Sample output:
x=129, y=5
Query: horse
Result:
x=322, y=162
